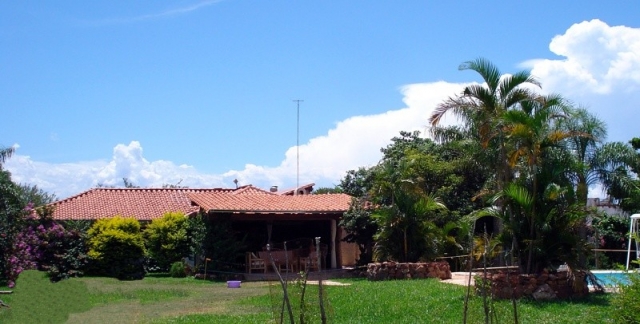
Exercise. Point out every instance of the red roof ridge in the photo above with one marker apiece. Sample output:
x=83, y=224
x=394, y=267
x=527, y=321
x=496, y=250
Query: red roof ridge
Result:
x=250, y=189
x=150, y=189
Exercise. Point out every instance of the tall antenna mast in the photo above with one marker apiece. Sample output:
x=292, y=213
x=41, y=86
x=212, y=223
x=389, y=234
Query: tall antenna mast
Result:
x=297, y=101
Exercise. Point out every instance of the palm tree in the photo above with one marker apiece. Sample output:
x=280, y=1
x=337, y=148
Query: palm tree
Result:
x=530, y=131
x=595, y=162
x=5, y=153
x=407, y=217
x=482, y=106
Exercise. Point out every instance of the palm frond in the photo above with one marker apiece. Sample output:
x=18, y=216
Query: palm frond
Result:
x=487, y=70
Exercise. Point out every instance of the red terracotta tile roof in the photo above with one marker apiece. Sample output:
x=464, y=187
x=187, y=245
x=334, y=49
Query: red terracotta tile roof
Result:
x=143, y=204
x=249, y=190
x=152, y=203
x=271, y=203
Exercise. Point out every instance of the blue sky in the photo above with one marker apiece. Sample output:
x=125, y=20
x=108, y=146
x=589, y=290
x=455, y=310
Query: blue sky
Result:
x=201, y=91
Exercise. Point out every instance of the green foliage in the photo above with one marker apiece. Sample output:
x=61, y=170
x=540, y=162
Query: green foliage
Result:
x=64, y=250
x=327, y=190
x=360, y=228
x=31, y=194
x=223, y=246
x=406, y=233
x=611, y=232
x=5, y=153
x=177, y=270
x=167, y=239
x=357, y=183
x=128, y=183
x=12, y=218
x=117, y=247
x=630, y=201
x=625, y=303
x=197, y=229
x=401, y=192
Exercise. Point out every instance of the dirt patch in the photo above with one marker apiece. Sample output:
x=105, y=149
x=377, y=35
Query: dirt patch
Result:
x=460, y=278
x=206, y=298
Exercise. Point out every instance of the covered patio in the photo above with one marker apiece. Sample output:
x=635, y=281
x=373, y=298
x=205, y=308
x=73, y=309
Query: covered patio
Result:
x=268, y=218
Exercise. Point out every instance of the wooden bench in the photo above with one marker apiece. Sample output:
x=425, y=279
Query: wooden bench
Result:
x=281, y=259
x=253, y=262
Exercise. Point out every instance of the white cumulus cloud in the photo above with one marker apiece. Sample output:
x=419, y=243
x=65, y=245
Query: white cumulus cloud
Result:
x=353, y=142
x=66, y=179
x=599, y=67
x=597, y=58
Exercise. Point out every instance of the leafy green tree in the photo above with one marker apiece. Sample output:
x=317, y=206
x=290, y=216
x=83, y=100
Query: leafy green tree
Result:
x=5, y=153
x=167, y=239
x=629, y=196
x=116, y=247
x=412, y=171
x=360, y=228
x=327, y=190
x=482, y=106
x=34, y=195
x=222, y=245
x=197, y=229
x=128, y=183
x=11, y=220
x=357, y=183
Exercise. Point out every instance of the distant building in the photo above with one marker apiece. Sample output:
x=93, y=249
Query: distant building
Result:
x=607, y=205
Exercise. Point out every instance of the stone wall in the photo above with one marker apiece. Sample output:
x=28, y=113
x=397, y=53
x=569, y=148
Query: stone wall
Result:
x=544, y=286
x=395, y=270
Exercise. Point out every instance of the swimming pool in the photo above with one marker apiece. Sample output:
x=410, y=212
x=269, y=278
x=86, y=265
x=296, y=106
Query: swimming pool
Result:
x=610, y=278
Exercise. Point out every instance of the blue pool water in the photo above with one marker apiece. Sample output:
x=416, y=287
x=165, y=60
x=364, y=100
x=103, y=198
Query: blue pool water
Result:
x=610, y=278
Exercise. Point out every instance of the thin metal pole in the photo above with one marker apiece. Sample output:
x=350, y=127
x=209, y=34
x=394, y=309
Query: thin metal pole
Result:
x=297, y=145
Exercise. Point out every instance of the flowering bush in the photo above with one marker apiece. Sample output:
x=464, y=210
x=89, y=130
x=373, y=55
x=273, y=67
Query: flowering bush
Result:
x=24, y=254
x=47, y=246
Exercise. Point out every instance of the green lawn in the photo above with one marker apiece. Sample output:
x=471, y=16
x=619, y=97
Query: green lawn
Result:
x=169, y=300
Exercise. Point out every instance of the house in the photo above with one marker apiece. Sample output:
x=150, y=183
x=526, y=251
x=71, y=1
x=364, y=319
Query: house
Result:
x=608, y=206
x=264, y=216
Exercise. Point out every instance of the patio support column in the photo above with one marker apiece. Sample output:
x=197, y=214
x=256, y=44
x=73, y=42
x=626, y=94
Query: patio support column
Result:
x=269, y=230
x=333, y=244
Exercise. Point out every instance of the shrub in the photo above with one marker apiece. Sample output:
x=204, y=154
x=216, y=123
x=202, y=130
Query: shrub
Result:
x=178, y=270
x=11, y=223
x=117, y=248
x=65, y=255
x=626, y=306
x=47, y=246
x=167, y=240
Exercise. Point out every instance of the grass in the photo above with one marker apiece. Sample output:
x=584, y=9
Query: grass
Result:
x=170, y=300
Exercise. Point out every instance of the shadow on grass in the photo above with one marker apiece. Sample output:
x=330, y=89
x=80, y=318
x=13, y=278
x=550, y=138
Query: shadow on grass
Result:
x=593, y=299
x=36, y=300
